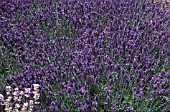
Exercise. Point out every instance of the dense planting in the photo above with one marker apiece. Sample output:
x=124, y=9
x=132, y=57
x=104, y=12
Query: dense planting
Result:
x=88, y=55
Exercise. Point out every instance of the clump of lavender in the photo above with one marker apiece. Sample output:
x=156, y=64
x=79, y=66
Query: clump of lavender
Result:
x=97, y=55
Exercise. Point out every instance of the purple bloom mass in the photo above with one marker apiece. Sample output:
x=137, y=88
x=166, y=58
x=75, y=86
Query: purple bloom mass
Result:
x=87, y=55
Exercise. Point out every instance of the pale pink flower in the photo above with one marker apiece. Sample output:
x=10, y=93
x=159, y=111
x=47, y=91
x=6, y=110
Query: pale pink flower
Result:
x=21, y=93
x=16, y=89
x=37, y=102
x=8, y=88
x=27, y=90
x=1, y=97
x=8, y=93
x=17, y=105
x=27, y=95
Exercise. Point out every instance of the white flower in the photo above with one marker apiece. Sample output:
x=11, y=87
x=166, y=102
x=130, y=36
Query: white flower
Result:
x=35, y=92
x=36, y=96
x=9, y=97
x=10, y=109
x=16, y=110
x=17, y=105
x=8, y=93
x=37, y=102
x=7, y=100
x=31, y=108
x=27, y=90
x=36, y=89
x=1, y=97
x=15, y=98
x=25, y=104
x=16, y=89
x=6, y=109
x=19, y=99
x=27, y=95
x=36, y=86
x=8, y=88
x=31, y=102
x=15, y=93
x=21, y=93
x=24, y=109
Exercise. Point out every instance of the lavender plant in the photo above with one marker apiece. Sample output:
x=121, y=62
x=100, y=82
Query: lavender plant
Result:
x=89, y=55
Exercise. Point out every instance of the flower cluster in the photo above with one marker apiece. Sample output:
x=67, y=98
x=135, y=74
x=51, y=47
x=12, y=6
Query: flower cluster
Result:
x=20, y=100
x=87, y=55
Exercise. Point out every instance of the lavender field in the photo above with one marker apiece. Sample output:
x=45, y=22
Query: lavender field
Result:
x=84, y=56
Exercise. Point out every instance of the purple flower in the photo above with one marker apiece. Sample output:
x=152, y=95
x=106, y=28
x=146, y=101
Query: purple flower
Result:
x=64, y=108
x=134, y=89
x=118, y=96
x=150, y=100
x=94, y=104
x=94, y=109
